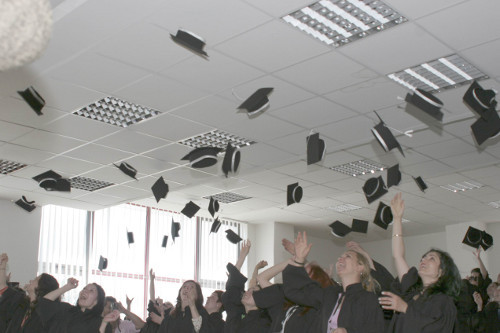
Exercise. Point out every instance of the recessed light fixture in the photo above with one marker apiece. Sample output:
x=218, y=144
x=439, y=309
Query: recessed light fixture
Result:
x=359, y=168
x=437, y=75
x=339, y=22
x=463, y=186
x=227, y=197
x=344, y=208
x=7, y=167
x=495, y=204
x=216, y=138
x=114, y=111
x=88, y=184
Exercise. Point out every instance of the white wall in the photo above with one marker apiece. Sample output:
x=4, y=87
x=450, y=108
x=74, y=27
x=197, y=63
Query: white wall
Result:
x=19, y=235
x=494, y=252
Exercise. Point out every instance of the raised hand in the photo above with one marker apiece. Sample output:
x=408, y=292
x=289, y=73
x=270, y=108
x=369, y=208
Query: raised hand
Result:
x=390, y=301
x=111, y=317
x=397, y=206
x=72, y=283
x=245, y=247
x=289, y=246
x=479, y=300
x=129, y=300
x=261, y=264
x=120, y=307
x=301, y=247
x=152, y=275
x=4, y=259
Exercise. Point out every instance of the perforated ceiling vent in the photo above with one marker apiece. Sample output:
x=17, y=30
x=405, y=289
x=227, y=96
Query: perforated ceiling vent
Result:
x=359, y=168
x=88, y=184
x=216, y=138
x=228, y=197
x=7, y=167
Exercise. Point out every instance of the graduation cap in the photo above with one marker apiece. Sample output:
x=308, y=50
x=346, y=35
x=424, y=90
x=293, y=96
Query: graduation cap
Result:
x=52, y=181
x=420, y=182
x=174, y=230
x=160, y=189
x=190, y=40
x=393, y=176
x=385, y=137
x=360, y=226
x=374, y=188
x=130, y=237
x=33, y=98
x=28, y=206
x=257, y=102
x=202, y=157
x=231, y=159
x=103, y=263
x=315, y=148
x=339, y=229
x=486, y=240
x=293, y=194
x=383, y=217
x=213, y=206
x=127, y=169
x=190, y=209
x=215, y=226
x=473, y=237
x=233, y=237
x=425, y=102
x=164, y=241
x=486, y=127
x=479, y=99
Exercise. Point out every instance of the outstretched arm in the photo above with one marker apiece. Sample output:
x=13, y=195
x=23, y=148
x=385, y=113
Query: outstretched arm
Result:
x=265, y=277
x=301, y=250
x=152, y=277
x=484, y=271
x=138, y=322
x=245, y=249
x=398, y=247
x=254, y=280
x=3, y=270
x=55, y=294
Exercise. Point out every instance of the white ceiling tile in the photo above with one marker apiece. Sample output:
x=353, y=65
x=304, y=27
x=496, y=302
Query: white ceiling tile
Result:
x=98, y=154
x=322, y=176
x=446, y=148
x=296, y=143
x=105, y=200
x=170, y=153
x=259, y=191
x=427, y=137
x=297, y=168
x=428, y=169
x=22, y=154
x=490, y=171
x=339, y=157
x=171, y=127
x=131, y=141
x=279, y=9
x=109, y=174
x=47, y=141
x=10, y=131
x=80, y=128
x=354, y=130
x=125, y=192
x=16, y=111
x=67, y=166
x=413, y=10
x=186, y=175
x=148, y=165
x=260, y=154
x=22, y=184
x=470, y=160
x=347, y=184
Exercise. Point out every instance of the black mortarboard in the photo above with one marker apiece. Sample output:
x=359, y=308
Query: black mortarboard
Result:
x=233, y=237
x=473, y=237
x=315, y=148
x=231, y=159
x=393, y=176
x=339, y=229
x=190, y=209
x=374, y=188
x=52, y=181
x=213, y=206
x=486, y=240
x=385, y=137
x=293, y=194
x=257, y=102
x=486, y=127
x=479, y=99
x=160, y=189
x=174, y=230
x=426, y=102
x=190, y=40
x=33, y=98
x=127, y=169
x=383, y=217
x=103, y=263
x=164, y=241
x=28, y=206
x=420, y=182
x=130, y=237
x=202, y=157
x=215, y=226
x=359, y=226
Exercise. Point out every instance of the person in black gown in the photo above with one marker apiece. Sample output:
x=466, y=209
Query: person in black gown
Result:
x=10, y=298
x=423, y=300
x=215, y=308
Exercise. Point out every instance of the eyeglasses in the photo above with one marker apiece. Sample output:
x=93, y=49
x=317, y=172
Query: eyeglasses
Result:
x=473, y=278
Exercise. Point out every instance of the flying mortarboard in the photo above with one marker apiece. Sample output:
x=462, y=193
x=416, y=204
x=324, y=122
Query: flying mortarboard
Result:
x=130, y=237
x=174, y=229
x=393, y=176
x=190, y=209
x=383, y=217
x=360, y=226
x=215, y=226
x=160, y=189
x=479, y=99
x=339, y=229
x=487, y=126
x=233, y=237
x=164, y=241
x=486, y=240
x=190, y=40
x=103, y=263
x=426, y=102
x=231, y=159
x=374, y=188
x=473, y=237
x=385, y=137
x=213, y=206
x=315, y=148
x=33, y=98
x=293, y=194
x=52, y=181
x=420, y=182
x=257, y=102
x=28, y=206
x=127, y=169
x=202, y=157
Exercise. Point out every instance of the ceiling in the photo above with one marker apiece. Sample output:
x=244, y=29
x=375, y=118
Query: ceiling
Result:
x=122, y=48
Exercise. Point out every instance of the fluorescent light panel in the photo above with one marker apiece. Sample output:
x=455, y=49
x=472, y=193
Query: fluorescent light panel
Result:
x=7, y=167
x=359, y=168
x=216, y=138
x=227, y=197
x=117, y=112
x=339, y=22
x=494, y=204
x=344, y=208
x=440, y=74
x=463, y=186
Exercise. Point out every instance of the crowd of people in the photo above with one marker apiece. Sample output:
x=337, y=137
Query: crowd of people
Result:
x=429, y=297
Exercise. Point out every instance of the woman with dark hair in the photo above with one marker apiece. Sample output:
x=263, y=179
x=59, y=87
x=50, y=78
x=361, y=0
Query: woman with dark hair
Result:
x=85, y=317
x=350, y=308
x=215, y=308
x=188, y=315
x=427, y=294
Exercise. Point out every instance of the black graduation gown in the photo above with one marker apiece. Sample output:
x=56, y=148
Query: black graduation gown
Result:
x=237, y=321
x=150, y=326
x=182, y=322
x=490, y=318
x=385, y=280
x=9, y=302
x=467, y=315
x=360, y=312
x=215, y=323
x=273, y=299
x=62, y=317
x=435, y=313
x=33, y=323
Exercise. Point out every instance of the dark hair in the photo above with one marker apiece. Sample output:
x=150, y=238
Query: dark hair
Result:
x=46, y=284
x=198, y=302
x=476, y=270
x=110, y=299
x=101, y=301
x=319, y=275
x=219, y=299
x=449, y=281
